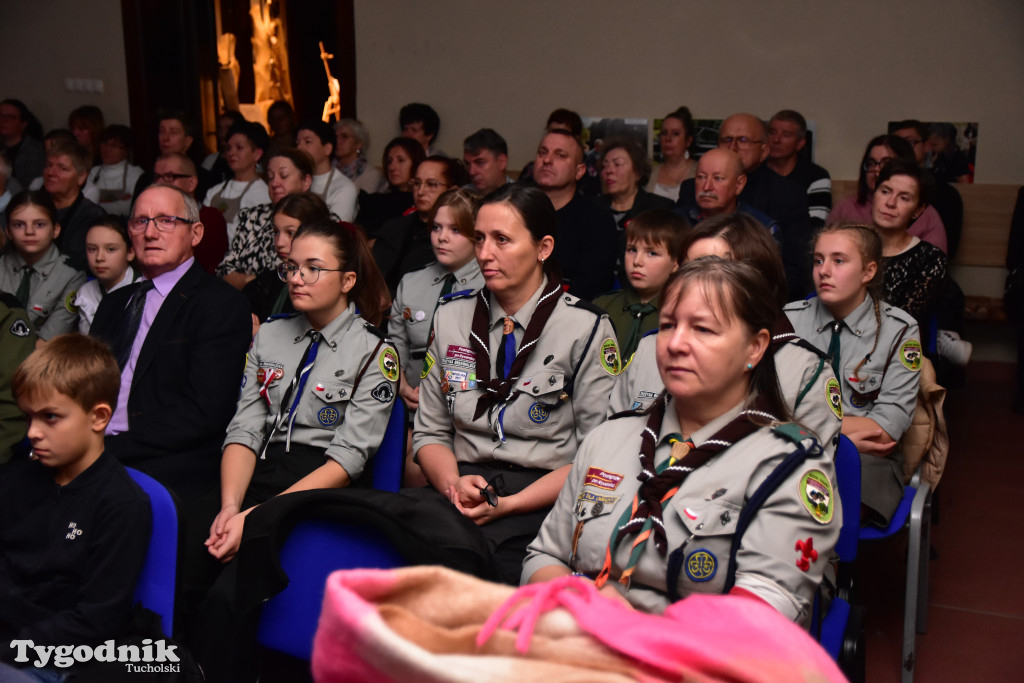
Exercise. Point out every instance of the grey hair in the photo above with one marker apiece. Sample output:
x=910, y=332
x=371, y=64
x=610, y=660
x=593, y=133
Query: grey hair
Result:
x=191, y=205
x=357, y=128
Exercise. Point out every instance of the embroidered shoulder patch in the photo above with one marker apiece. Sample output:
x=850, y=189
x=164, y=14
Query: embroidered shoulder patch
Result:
x=428, y=362
x=834, y=396
x=816, y=495
x=701, y=565
x=388, y=364
x=910, y=354
x=610, y=359
x=69, y=302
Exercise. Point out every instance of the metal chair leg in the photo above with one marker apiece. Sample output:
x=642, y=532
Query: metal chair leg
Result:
x=917, y=562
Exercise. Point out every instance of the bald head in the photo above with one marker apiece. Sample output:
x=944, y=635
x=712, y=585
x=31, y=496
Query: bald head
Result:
x=746, y=135
x=719, y=181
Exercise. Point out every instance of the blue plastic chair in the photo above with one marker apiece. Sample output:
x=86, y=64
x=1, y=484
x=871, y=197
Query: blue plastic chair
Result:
x=157, y=584
x=313, y=550
x=841, y=631
x=389, y=462
x=316, y=548
x=913, y=512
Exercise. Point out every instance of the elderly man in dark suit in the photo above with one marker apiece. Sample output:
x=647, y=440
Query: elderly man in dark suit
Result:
x=180, y=336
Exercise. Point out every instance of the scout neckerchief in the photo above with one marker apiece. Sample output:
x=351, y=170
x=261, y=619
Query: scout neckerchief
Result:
x=637, y=312
x=659, y=484
x=500, y=391
x=24, y=286
x=835, y=347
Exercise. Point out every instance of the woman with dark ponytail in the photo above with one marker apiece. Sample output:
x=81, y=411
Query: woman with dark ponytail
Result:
x=319, y=384
x=875, y=351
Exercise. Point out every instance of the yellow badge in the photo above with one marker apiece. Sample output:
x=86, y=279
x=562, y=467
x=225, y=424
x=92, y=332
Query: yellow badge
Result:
x=69, y=302
x=910, y=354
x=388, y=364
x=428, y=362
x=834, y=396
x=610, y=359
x=816, y=495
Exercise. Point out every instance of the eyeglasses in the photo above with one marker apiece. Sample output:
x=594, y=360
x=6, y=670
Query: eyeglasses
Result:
x=169, y=178
x=138, y=224
x=416, y=184
x=871, y=164
x=742, y=141
x=308, y=274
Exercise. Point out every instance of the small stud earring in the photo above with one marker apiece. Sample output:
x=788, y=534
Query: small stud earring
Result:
x=750, y=366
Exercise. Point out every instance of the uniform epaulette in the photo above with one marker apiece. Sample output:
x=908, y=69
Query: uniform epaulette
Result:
x=376, y=331
x=584, y=304
x=804, y=344
x=463, y=294
x=10, y=300
x=793, y=432
x=281, y=316
x=797, y=305
x=899, y=314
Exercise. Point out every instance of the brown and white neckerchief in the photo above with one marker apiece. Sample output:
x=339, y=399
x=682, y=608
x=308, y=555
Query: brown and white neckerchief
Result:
x=500, y=391
x=657, y=485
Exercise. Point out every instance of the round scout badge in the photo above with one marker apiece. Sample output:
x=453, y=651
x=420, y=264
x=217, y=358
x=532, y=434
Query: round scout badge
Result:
x=816, y=495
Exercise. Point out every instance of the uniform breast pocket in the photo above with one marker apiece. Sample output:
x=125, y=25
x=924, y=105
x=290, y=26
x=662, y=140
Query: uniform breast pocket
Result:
x=707, y=527
x=327, y=403
x=539, y=403
x=862, y=389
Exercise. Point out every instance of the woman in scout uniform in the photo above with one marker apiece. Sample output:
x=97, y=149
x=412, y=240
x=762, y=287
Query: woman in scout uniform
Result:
x=318, y=385
x=34, y=270
x=456, y=271
x=657, y=503
x=267, y=294
x=515, y=376
x=805, y=378
x=875, y=351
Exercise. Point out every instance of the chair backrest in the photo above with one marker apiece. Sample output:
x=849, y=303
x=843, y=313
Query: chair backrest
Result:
x=848, y=482
x=157, y=584
x=313, y=550
x=389, y=462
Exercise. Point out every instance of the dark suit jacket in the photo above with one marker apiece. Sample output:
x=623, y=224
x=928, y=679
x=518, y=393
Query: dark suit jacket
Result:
x=185, y=385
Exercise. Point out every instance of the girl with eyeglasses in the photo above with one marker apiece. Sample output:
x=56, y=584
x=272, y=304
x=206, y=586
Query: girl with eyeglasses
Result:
x=318, y=386
x=857, y=209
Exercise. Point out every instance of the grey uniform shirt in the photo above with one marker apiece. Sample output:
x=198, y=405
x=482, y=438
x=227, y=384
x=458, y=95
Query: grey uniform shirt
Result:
x=349, y=424
x=54, y=284
x=413, y=310
x=886, y=393
x=702, y=515
x=542, y=429
x=805, y=380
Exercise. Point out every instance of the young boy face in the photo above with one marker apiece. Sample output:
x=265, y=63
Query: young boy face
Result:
x=648, y=267
x=63, y=433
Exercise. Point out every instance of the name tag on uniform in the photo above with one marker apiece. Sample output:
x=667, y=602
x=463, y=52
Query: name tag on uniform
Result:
x=602, y=479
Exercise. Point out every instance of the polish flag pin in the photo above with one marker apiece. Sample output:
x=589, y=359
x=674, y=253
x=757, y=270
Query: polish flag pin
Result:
x=690, y=513
x=320, y=387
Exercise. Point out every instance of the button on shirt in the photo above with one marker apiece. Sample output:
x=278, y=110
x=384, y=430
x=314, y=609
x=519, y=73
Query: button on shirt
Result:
x=162, y=286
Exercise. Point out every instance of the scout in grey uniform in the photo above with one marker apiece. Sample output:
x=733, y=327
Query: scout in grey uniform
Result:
x=53, y=285
x=699, y=520
x=880, y=361
x=805, y=378
x=558, y=397
x=413, y=310
x=342, y=411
